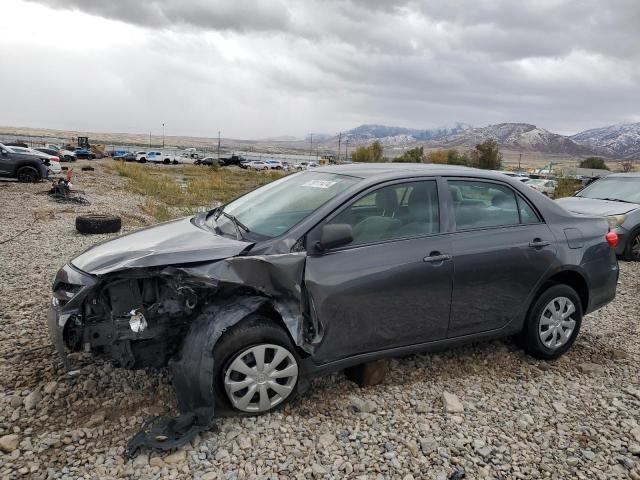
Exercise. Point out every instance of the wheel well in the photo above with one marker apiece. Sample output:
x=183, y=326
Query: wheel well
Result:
x=268, y=311
x=575, y=281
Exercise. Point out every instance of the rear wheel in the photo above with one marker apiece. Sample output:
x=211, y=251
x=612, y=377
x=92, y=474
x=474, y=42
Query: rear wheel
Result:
x=256, y=368
x=553, y=322
x=27, y=175
x=632, y=249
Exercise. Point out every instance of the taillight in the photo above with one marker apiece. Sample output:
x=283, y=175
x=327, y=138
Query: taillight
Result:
x=612, y=239
x=54, y=159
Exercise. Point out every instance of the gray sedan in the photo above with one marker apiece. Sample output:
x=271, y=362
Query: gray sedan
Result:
x=327, y=269
x=617, y=198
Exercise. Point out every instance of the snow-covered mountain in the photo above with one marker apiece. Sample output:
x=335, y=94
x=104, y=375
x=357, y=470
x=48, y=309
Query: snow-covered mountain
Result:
x=619, y=140
x=400, y=135
x=518, y=136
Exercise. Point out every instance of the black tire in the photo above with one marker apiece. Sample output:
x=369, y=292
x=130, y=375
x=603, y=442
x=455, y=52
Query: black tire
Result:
x=175, y=162
x=531, y=334
x=254, y=330
x=166, y=161
x=628, y=254
x=90, y=224
x=87, y=169
x=143, y=160
x=27, y=175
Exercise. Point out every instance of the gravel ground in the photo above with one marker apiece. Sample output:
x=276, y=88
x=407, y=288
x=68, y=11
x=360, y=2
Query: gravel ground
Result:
x=486, y=410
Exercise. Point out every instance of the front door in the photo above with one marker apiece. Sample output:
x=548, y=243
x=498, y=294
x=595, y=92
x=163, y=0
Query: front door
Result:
x=391, y=286
x=501, y=249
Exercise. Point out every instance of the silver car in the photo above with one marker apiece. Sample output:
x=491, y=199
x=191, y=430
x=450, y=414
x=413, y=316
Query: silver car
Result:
x=616, y=197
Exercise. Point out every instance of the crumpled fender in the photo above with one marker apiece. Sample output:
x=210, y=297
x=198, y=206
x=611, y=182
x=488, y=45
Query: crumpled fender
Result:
x=277, y=281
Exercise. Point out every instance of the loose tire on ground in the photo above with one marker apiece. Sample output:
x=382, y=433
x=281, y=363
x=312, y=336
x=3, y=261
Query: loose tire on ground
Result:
x=253, y=331
x=90, y=224
x=536, y=329
x=87, y=169
x=27, y=175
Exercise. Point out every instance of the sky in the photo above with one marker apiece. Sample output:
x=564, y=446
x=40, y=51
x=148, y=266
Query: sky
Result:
x=267, y=68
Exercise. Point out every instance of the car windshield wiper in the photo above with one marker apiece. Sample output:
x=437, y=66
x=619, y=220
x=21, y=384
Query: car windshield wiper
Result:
x=236, y=223
x=614, y=200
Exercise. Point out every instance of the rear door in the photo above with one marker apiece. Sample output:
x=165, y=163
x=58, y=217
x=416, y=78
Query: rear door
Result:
x=391, y=286
x=501, y=249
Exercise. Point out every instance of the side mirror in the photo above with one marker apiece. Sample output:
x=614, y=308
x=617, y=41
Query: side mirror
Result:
x=4, y=152
x=335, y=235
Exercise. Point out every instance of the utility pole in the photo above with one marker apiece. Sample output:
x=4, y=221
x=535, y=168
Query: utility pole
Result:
x=149, y=139
x=519, y=161
x=311, y=147
x=218, y=144
x=163, y=137
x=339, y=140
x=346, y=150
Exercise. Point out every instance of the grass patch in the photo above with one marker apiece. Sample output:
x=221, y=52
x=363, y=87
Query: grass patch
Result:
x=566, y=187
x=178, y=191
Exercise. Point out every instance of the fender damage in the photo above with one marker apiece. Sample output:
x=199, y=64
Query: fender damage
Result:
x=141, y=314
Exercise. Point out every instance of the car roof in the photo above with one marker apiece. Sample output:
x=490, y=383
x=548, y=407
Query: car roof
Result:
x=369, y=170
x=628, y=174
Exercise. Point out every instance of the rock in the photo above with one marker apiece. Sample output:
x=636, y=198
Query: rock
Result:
x=366, y=405
x=634, y=449
x=8, y=443
x=452, y=403
x=422, y=407
x=50, y=388
x=221, y=453
x=635, y=432
x=573, y=461
x=368, y=374
x=141, y=460
x=95, y=420
x=560, y=408
x=178, y=456
x=157, y=462
x=210, y=476
x=428, y=445
x=318, y=470
x=588, y=454
x=589, y=367
x=15, y=401
x=619, y=354
x=326, y=440
x=31, y=401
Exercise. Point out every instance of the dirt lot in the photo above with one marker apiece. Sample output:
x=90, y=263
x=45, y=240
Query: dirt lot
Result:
x=521, y=418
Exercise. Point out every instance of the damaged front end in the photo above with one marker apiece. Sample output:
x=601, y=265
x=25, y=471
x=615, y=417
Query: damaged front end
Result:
x=135, y=318
x=159, y=315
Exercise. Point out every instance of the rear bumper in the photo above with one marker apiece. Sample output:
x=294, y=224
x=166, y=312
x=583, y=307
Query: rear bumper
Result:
x=603, y=282
x=623, y=238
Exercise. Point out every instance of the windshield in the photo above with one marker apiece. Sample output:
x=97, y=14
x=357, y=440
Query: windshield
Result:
x=626, y=189
x=273, y=209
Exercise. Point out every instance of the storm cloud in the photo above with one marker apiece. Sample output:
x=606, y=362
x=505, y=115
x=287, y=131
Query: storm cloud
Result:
x=256, y=68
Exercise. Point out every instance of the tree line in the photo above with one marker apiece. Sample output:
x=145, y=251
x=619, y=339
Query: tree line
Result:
x=485, y=155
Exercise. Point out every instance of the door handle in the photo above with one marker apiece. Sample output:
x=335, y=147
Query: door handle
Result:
x=436, y=257
x=538, y=243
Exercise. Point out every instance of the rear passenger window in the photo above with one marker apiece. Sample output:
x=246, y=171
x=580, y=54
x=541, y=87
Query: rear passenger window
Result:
x=483, y=204
x=527, y=215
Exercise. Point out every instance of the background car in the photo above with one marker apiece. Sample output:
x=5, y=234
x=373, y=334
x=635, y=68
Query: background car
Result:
x=52, y=162
x=208, y=161
x=274, y=164
x=63, y=154
x=126, y=157
x=544, y=186
x=23, y=166
x=257, y=165
x=141, y=157
x=84, y=153
x=617, y=198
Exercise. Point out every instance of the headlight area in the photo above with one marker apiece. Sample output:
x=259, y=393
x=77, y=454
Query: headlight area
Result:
x=135, y=321
x=616, y=220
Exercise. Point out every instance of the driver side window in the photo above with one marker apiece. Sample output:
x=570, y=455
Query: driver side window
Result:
x=395, y=211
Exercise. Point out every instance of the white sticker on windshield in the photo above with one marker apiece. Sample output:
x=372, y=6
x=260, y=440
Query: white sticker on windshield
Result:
x=319, y=183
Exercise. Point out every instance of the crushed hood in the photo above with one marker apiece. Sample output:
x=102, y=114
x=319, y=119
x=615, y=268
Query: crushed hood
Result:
x=593, y=206
x=171, y=243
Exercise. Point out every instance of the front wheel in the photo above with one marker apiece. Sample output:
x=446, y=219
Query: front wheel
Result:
x=256, y=368
x=27, y=175
x=553, y=323
x=632, y=249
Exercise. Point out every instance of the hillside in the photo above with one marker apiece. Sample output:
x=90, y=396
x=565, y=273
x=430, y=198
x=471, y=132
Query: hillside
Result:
x=616, y=140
